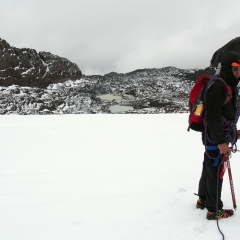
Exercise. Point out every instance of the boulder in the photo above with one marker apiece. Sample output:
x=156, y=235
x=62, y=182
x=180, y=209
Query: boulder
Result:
x=26, y=67
x=233, y=45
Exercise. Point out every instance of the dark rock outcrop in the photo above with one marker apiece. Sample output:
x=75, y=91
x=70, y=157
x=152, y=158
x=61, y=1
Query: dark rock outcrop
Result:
x=26, y=67
x=233, y=45
x=197, y=72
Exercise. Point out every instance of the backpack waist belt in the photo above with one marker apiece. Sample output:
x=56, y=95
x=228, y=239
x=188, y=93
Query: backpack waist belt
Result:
x=212, y=148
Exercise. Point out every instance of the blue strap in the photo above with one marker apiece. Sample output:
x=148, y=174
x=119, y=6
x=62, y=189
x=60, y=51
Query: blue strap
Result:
x=212, y=148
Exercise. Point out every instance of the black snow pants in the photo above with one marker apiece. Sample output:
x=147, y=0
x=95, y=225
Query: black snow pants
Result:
x=210, y=185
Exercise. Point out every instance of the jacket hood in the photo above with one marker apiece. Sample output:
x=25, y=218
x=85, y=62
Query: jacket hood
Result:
x=226, y=69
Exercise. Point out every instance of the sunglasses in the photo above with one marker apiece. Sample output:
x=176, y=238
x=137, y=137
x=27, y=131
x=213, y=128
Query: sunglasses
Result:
x=235, y=69
x=235, y=65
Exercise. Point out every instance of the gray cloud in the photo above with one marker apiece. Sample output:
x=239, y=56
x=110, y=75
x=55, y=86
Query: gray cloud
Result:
x=122, y=35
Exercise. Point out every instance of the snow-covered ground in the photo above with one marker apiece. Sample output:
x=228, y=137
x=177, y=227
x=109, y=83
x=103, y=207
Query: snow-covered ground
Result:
x=105, y=177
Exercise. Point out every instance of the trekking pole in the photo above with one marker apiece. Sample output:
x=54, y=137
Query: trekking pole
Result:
x=231, y=183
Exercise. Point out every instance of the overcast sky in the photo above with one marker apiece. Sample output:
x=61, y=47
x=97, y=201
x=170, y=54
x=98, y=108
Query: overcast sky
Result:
x=102, y=36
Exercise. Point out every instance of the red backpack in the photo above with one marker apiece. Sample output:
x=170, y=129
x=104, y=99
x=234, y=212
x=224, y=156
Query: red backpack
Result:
x=196, y=100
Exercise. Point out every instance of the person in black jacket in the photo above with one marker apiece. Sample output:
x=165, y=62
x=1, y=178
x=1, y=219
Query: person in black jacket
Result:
x=215, y=137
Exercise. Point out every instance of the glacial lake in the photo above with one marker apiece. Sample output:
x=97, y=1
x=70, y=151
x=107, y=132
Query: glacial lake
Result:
x=118, y=108
x=109, y=97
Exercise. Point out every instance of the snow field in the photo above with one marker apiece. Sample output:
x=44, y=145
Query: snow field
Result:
x=110, y=177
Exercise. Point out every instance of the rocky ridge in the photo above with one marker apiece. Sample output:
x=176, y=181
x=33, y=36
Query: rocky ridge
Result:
x=26, y=67
x=43, y=83
x=163, y=90
x=233, y=45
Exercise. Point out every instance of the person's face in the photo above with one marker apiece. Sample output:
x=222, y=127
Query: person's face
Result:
x=236, y=72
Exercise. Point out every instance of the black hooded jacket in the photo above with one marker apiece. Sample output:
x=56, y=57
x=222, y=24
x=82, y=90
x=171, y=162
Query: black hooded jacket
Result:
x=216, y=96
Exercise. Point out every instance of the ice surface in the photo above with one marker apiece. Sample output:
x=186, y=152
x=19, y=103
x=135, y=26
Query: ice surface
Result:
x=105, y=177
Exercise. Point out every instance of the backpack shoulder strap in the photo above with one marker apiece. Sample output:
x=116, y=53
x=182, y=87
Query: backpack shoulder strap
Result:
x=228, y=88
x=221, y=80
